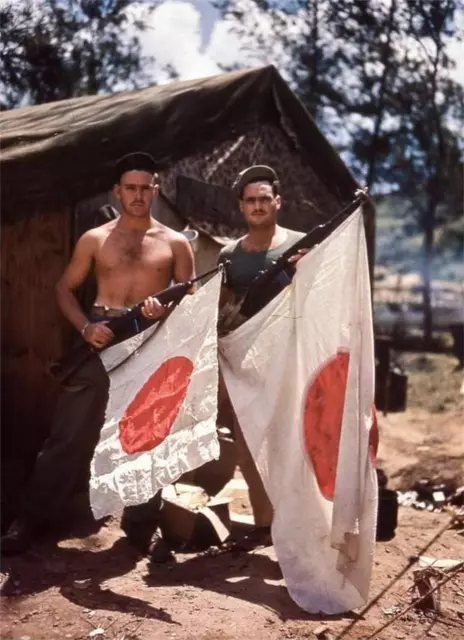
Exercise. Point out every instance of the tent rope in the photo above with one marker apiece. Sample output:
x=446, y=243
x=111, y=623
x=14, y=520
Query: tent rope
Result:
x=411, y=562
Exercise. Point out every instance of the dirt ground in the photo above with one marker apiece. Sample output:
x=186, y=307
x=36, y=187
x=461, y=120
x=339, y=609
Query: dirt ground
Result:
x=95, y=586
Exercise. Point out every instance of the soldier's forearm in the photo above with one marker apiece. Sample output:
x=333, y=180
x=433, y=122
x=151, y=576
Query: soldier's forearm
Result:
x=70, y=308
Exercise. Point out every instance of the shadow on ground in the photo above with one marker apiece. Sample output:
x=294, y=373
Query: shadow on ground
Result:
x=238, y=574
x=48, y=566
x=252, y=577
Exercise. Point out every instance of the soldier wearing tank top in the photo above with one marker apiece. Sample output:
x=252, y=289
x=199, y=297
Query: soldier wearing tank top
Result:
x=257, y=189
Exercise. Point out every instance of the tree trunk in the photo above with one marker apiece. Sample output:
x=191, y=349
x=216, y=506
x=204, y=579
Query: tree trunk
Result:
x=428, y=227
x=387, y=63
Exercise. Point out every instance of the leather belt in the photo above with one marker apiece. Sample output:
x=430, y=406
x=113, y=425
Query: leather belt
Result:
x=107, y=312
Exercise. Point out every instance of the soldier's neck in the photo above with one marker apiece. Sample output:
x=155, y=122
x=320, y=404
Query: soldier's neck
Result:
x=131, y=223
x=259, y=239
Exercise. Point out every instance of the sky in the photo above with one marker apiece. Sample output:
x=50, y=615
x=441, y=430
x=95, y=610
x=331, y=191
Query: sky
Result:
x=191, y=37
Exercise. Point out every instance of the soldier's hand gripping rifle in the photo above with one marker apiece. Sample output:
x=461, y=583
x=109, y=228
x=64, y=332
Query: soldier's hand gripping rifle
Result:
x=63, y=368
x=269, y=282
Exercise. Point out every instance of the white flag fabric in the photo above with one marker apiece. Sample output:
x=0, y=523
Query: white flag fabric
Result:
x=161, y=415
x=300, y=376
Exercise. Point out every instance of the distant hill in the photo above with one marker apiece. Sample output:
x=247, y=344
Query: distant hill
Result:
x=399, y=241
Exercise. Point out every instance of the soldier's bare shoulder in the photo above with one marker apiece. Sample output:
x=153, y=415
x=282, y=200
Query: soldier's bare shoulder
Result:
x=98, y=233
x=170, y=236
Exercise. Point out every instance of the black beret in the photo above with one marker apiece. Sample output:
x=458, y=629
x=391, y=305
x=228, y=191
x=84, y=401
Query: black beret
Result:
x=138, y=161
x=253, y=174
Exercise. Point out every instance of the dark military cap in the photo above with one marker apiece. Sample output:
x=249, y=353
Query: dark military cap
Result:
x=138, y=161
x=253, y=174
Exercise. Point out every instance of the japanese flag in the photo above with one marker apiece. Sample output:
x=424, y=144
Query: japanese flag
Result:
x=300, y=375
x=161, y=415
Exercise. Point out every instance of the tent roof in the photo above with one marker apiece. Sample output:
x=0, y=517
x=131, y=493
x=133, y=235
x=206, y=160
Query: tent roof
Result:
x=54, y=155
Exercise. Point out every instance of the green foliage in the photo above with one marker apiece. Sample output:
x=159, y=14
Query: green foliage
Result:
x=399, y=240
x=55, y=49
x=376, y=76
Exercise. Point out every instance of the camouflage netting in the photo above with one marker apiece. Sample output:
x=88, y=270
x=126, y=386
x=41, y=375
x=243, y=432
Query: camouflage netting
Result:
x=306, y=199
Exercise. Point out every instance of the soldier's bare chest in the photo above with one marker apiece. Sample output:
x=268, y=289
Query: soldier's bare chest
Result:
x=134, y=250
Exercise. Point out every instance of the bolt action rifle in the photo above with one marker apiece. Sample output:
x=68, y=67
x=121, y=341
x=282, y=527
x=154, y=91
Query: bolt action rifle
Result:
x=69, y=363
x=269, y=282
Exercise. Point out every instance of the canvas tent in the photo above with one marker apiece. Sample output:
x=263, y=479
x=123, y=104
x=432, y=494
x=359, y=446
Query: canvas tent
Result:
x=56, y=160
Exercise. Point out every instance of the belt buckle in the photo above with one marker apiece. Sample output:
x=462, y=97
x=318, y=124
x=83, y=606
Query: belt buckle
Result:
x=101, y=309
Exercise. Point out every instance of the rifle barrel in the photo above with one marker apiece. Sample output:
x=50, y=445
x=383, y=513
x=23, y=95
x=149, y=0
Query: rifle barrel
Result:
x=255, y=298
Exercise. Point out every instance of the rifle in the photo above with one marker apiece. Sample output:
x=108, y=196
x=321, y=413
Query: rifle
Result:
x=269, y=282
x=65, y=366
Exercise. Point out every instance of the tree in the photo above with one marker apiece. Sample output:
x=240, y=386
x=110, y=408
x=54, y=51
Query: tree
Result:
x=55, y=49
x=377, y=78
x=297, y=38
x=429, y=157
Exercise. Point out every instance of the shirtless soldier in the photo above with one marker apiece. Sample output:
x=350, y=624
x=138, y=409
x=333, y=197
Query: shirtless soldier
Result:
x=133, y=256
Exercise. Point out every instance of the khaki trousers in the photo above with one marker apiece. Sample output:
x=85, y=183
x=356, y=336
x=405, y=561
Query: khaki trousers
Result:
x=260, y=503
x=67, y=452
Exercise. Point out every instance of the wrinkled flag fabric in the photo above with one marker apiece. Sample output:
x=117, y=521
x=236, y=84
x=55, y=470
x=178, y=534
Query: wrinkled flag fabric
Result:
x=161, y=415
x=300, y=376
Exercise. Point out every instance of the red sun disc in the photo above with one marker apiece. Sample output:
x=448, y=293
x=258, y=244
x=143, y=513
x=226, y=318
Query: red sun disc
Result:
x=148, y=419
x=374, y=437
x=322, y=420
